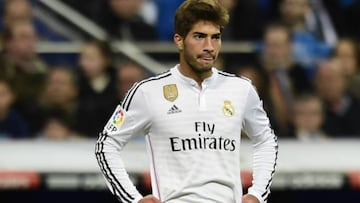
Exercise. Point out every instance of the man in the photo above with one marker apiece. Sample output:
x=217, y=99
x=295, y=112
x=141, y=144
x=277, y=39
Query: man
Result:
x=22, y=66
x=341, y=108
x=285, y=77
x=192, y=117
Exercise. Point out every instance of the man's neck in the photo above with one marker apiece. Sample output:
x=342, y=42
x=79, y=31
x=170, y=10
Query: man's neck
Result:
x=198, y=77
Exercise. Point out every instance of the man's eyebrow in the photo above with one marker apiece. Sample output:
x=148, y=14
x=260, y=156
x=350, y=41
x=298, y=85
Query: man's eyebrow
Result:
x=201, y=33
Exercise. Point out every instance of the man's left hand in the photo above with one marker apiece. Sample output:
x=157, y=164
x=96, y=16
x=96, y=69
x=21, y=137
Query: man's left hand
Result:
x=249, y=199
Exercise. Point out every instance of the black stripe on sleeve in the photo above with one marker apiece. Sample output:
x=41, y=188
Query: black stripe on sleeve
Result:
x=132, y=91
x=267, y=188
x=98, y=158
x=115, y=184
x=226, y=74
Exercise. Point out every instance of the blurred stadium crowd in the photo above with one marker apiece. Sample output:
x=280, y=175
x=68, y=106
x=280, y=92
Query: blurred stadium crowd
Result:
x=306, y=66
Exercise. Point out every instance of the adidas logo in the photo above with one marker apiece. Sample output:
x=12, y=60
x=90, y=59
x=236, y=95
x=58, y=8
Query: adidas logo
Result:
x=174, y=109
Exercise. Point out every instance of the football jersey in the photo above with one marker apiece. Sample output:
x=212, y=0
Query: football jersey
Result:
x=193, y=138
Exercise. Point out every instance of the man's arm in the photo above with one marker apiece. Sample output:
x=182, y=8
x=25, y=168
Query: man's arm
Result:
x=149, y=199
x=248, y=198
x=113, y=169
x=129, y=119
x=257, y=127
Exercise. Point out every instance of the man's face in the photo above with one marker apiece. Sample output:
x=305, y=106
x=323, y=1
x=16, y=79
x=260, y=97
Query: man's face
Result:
x=277, y=47
x=294, y=10
x=308, y=115
x=23, y=42
x=330, y=82
x=200, y=48
x=16, y=10
x=345, y=52
x=125, y=8
x=92, y=62
x=60, y=88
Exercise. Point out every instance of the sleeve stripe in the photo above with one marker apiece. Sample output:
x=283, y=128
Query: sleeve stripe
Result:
x=126, y=103
x=130, y=92
x=226, y=74
x=267, y=188
x=98, y=157
x=117, y=187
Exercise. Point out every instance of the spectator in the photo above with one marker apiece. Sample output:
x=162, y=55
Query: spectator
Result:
x=285, y=77
x=12, y=125
x=15, y=10
x=308, y=117
x=348, y=53
x=341, y=109
x=59, y=95
x=122, y=21
x=308, y=48
x=128, y=73
x=57, y=127
x=97, y=87
x=21, y=65
x=21, y=10
x=276, y=55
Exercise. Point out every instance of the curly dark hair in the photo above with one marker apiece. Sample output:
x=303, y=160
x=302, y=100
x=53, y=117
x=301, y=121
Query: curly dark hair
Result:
x=192, y=11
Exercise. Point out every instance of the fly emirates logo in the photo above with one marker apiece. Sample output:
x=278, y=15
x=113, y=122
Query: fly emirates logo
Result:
x=204, y=139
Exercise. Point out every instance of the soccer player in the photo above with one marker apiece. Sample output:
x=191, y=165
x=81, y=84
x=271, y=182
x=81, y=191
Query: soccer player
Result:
x=192, y=117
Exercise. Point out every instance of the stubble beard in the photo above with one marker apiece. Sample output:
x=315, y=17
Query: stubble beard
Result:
x=197, y=67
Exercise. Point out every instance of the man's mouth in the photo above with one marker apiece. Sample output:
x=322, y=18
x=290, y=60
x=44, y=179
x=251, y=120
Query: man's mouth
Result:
x=206, y=57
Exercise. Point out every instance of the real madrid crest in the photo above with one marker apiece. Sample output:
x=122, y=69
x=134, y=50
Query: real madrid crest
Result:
x=228, y=109
x=170, y=92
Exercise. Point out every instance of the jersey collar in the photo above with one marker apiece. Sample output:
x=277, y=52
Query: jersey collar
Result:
x=186, y=80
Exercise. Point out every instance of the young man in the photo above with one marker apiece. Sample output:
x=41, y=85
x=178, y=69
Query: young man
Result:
x=192, y=117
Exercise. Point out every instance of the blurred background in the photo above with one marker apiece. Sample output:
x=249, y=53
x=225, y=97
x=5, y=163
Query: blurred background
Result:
x=66, y=64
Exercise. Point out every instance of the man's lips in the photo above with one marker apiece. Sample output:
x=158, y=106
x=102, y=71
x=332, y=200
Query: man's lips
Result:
x=206, y=57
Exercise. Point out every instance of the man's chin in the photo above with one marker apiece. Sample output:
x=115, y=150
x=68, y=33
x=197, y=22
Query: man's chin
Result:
x=202, y=69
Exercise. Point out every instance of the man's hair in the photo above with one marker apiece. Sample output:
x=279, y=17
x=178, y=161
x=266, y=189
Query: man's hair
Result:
x=277, y=26
x=191, y=12
x=8, y=32
x=103, y=47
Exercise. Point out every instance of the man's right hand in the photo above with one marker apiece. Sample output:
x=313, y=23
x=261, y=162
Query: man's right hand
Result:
x=149, y=199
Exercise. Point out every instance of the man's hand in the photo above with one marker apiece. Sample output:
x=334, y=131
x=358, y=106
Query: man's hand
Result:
x=149, y=199
x=249, y=199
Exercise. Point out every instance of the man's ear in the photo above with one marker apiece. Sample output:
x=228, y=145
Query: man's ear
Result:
x=178, y=40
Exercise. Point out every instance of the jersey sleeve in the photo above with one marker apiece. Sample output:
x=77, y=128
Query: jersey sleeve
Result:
x=129, y=119
x=257, y=126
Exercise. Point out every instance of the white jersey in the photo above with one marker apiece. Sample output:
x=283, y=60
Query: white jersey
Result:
x=193, y=138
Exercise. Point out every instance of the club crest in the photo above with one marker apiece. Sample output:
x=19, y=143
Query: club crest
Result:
x=228, y=109
x=170, y=92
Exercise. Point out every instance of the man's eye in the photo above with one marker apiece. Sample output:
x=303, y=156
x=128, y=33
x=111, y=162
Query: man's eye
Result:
x=198, y=36
x=217, y=37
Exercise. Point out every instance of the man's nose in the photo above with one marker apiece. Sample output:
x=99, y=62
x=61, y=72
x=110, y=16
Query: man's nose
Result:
x=208, y=46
